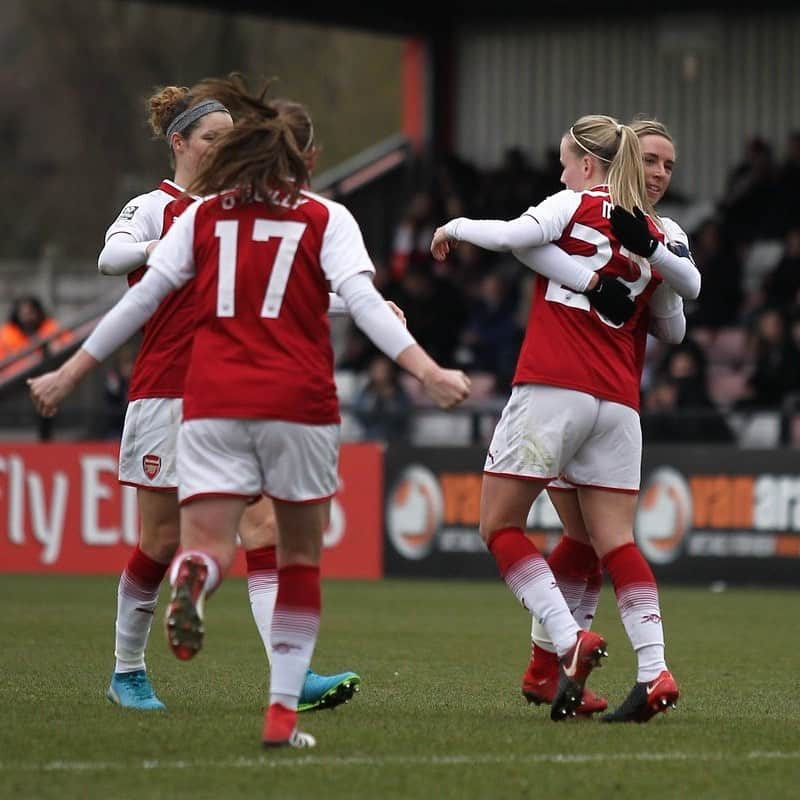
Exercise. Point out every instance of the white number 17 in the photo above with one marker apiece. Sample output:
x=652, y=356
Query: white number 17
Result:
x=227, y=231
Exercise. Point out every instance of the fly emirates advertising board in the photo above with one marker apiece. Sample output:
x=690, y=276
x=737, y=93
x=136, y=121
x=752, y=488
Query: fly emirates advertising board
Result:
x=62, y=510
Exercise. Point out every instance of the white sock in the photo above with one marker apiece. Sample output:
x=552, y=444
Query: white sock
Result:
x=262, y=586
x=294, y=635
x=641, y=616
x=135, y=607
x=295, y=627
x=586, y=610
x=574, y=594
x=532, y=582
x=539, y=636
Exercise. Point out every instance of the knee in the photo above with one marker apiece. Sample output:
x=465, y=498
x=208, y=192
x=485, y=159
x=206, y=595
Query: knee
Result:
x=160, y=541
x=262, y=532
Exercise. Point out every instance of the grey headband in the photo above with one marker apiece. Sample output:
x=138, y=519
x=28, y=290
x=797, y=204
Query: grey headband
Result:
x=186, y=118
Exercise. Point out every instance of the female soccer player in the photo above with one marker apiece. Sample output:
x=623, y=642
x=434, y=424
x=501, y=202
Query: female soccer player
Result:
x=189, y=122
x=260, y=411
x=573, y=561
x=573, y=411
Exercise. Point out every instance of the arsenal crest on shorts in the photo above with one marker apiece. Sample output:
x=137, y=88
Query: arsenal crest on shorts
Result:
x=151, y=464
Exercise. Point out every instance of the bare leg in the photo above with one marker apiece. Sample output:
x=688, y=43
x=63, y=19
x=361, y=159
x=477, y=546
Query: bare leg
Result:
x=208, y=539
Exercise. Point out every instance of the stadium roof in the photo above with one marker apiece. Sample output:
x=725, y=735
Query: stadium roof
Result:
x=410, y=17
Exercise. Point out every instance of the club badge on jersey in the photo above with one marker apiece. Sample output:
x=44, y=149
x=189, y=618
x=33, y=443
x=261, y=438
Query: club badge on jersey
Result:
x=151, y=464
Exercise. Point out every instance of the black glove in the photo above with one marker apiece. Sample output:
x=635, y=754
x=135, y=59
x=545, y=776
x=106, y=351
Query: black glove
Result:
x=632, y=230
x=610, y=297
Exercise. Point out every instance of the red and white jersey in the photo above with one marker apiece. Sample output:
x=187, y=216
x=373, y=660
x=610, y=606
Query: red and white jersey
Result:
x=143, y=216
x=261, y=344
x=567, y=343
x=163, y=357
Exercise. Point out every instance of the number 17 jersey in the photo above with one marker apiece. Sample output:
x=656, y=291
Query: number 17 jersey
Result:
x=261, y=347
x=567, y=342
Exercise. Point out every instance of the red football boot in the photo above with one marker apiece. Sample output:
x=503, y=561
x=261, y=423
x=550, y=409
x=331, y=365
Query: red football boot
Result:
x=280, y=729
x=646, y=700
x=184, y=619
x=540, y=683
x=573, y=670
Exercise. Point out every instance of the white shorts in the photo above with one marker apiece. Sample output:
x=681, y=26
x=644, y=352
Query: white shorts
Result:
x=547, y=432
x=249, y=457
x=147, y=452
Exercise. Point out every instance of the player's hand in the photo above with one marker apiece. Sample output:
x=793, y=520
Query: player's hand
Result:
x=633, y=231
x=397, y=311
x=441, y=243
x=48, y=390
x=446, y=387
x=611, y=298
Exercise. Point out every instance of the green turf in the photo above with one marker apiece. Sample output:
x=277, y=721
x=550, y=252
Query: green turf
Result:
x=439, y=715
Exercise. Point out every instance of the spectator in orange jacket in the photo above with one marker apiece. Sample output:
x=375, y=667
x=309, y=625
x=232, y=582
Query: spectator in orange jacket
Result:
x=27, y=325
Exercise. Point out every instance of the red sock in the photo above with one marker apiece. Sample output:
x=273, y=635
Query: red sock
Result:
x=573, y=559
x=262, y=559
x=295, y=625
x=639, y=608
x=572, y=562
x=510, y=546
x=527, y=574
x=143, y=571
x=628, y=569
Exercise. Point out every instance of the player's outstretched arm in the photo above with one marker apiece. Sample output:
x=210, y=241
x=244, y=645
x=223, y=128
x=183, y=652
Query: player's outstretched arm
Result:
x=48, y=390
x=338, y=308
x=490, y=234
x=372, y=315
x=446, y=387
x=117, y=326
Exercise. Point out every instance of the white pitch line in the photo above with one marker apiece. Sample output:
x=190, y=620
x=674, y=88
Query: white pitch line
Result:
x=373, y=761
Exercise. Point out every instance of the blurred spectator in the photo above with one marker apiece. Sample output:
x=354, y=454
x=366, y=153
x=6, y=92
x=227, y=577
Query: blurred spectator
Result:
x=456, y=180
x=782, y=285
x=357, y=352
x=787, y=199
x=666, y=419
x=28, y=324
x=776, y=360
x=685, y=364
x=551, y=174
x=721, y=296
x=491, y=337
x=516, y=186
x=115, y=393
x=678, y=406
x=749, y=206
x=434, y=307
x=382, y=406
x=412, y=236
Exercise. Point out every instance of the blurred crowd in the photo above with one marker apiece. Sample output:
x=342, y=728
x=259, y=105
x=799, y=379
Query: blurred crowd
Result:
x=742, y=348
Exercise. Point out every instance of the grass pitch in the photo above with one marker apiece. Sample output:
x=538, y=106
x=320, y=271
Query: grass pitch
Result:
x=440, y=714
